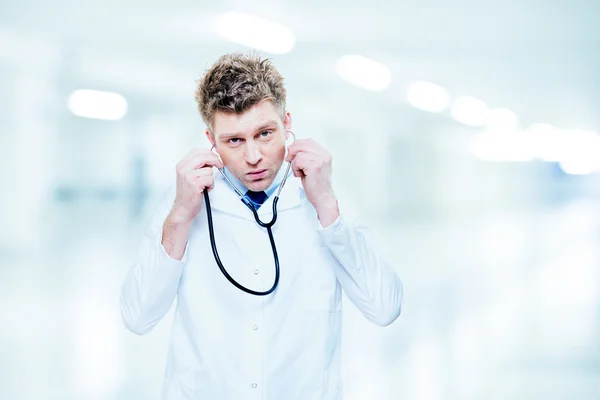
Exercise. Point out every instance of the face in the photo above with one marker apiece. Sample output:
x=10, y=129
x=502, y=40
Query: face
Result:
x=252, y=144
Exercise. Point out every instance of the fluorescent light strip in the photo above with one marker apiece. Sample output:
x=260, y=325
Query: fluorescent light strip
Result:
x=364, y=72
x=97, y=104
x=256, y=32
x=428, y=96
x=470, y=111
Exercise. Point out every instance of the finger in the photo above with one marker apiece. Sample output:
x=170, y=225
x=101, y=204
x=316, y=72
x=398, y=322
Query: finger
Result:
x=196, y=158
x=304, y=145
x=297, y=166
x=202, y=160
x=196, y=177
x=200, y=172
x=295, y=148
x=215, y=162
x=193, y=153
x=297, y=171
x=299, y=162
x=303, y=162
x=206, y=159
x=206, y=182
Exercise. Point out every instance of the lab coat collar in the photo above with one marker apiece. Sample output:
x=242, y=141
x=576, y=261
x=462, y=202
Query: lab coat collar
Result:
x=224, y=199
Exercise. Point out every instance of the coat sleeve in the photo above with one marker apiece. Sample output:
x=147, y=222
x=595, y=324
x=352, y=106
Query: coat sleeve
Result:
x=367, y=279
x=152, y=282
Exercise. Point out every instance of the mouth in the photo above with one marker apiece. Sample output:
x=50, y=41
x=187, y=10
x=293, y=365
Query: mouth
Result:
x=257, y=174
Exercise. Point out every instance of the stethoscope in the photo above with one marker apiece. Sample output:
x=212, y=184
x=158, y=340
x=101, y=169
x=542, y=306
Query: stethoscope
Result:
x=266, y=225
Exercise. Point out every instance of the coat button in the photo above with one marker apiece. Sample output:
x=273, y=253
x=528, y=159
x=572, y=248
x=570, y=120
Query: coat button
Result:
x=254, y=385
x=255, y=327
x=255, y=272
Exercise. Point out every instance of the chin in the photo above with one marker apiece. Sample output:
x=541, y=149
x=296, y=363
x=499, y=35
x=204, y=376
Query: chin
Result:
x=259, y=185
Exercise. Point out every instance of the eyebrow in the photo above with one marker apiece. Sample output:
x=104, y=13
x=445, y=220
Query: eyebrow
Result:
x=266, y=125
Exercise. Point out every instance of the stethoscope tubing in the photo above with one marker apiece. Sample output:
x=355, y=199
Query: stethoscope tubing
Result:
x=213, y=244
x=266, y=225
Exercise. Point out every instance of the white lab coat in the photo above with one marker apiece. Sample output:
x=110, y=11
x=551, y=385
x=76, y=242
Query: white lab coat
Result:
x=229, y=345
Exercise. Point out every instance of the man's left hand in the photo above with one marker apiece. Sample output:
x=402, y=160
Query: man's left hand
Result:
x=312, y=163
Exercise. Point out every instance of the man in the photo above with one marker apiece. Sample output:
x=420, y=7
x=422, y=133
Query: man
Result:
x=226, y=343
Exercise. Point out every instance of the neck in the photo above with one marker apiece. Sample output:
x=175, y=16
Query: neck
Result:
x=273, y=186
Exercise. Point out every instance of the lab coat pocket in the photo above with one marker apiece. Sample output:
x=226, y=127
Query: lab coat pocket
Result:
x=203, y=388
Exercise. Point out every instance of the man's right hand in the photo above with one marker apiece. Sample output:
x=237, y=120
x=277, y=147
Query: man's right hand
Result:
x=194, y=176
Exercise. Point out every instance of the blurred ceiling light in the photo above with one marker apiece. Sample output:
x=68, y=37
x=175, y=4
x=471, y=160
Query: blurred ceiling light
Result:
x=428, y=96
x=97, y=104
x=547, y=141
x=364, y=73
x=470, y=111
x=255, y=32
x=502, y=119
x=581, y=152
x=502, y=147
x=575, y=168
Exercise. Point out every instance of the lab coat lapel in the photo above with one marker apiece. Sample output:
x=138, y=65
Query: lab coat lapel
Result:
x=226, y=200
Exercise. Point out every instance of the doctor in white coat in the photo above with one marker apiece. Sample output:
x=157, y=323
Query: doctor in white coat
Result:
x=227, y=344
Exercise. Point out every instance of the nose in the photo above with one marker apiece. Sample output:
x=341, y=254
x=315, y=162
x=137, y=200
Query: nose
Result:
x=253, y=154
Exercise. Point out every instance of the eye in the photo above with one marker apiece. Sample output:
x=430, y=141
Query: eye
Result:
x=234, y=140
x=265, y=134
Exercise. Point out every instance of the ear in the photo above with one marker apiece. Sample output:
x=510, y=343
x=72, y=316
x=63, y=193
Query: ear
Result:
x=287, y=120
x=210, y=137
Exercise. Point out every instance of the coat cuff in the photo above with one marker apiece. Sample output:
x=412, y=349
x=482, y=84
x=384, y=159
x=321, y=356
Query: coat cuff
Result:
x=331, y=229
x=166, y=257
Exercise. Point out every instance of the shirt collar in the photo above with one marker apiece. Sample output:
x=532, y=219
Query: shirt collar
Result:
x=269, y=191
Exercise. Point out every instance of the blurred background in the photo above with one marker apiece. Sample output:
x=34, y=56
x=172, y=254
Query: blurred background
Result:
x=465, y=133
